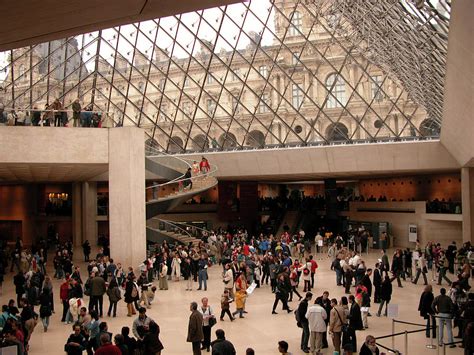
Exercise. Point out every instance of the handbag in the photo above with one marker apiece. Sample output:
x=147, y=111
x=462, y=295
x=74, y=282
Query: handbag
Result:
x=212, y=321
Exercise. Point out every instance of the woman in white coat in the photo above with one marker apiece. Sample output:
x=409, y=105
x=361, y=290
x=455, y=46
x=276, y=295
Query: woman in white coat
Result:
x=176, y=267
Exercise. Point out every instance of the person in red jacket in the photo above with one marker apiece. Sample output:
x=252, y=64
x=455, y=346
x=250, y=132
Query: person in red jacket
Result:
x=106, y=347
x=64, y=296
x=204, y=166
x=314, y=266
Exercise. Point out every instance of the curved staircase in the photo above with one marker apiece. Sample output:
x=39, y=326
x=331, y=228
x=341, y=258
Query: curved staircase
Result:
x=172, y=169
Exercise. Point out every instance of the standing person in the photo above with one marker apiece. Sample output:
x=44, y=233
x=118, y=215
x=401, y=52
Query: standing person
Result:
x=163, y=276
x=316, y=316
x=106, y=347
x=426, y=310
x=306, y=275
x=195, y=332
x=355, y=320
x=64, y=296
x=228, y=280
x=377, y=282
x=302, y=309
x=202, y=272
x=76, y=113
x=397, y=267
x=186, y=269
x=337, y=320
x=20, y=282
x=420, y=265
x=151, y=342
x=384, y=265
x=131, y=295
x=204, y=166
x=114, y=294
x=294, y=283
x=221, y=346
x=86, y=248
x=369, y=347
x=97, y=290
x=207, y=314
x=176, y=267
x=141, y=324
x=443, y=306
x=45, y=308
x=385, y=295
x=76, y=343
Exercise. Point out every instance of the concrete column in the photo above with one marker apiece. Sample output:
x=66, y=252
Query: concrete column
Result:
x=127, y=195
x=89, y=212
x=76, y=214
x=467, y=190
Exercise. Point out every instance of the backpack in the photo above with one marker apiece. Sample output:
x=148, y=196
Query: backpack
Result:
x=134, y=292
x=306, y=271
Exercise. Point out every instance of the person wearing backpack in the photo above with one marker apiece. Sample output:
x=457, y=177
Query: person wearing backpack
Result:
x=302, y=321
x=131, y=295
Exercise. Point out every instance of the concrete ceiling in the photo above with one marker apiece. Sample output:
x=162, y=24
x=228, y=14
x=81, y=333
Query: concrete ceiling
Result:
x=29, y=22
x=12, y=172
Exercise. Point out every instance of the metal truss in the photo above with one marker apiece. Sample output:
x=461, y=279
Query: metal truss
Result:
x=266, y=73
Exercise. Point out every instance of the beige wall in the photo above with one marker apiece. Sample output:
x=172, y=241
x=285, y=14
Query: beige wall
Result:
x=439, y=227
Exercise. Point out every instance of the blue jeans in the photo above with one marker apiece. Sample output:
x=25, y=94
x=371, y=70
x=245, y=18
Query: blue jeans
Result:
x=338, y=277
x=445, y=318
x=202, y=278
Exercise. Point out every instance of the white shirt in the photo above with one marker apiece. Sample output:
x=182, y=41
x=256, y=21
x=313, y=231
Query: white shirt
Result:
x=316, y=316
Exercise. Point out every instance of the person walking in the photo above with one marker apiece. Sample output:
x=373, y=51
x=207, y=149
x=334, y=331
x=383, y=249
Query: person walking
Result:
x=208, y=316
x=302, y=309
x=225, y=306
x=421, y=269
x=195, y=331
x=385, y=295
x=281, y=294
x=426, y=310
x=131, y=295
x=443, y=265
x=316, y=316
x=337, y=320
x=443, y=306
x=355, y=321
x=45, y=308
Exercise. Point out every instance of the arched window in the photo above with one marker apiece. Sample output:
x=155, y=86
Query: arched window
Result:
x=227, y=141
x=296, y=25
x=200, y=142
x=430, y=128
x=336, y=91
x=175, y=145
x=337, y=132
x=256, y=139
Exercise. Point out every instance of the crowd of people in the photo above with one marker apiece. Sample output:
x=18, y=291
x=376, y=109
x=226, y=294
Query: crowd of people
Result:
x=55, y=114
x=248, y=263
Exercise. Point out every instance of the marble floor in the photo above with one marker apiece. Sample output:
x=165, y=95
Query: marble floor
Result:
x=260, y=329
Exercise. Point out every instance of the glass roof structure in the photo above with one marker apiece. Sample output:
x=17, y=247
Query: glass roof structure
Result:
x=252, y=75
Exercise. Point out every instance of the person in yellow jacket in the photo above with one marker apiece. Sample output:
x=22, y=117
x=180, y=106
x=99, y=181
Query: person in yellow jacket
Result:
x=240, y=297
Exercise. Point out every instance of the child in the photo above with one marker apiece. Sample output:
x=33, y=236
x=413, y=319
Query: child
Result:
x=240, y=297
x=225, y=305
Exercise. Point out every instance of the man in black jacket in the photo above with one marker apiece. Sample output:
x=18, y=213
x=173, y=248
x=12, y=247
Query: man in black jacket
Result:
x=221, y=346
x=377, y=282
x=303, y=321
x=366, y=282
x=355, y=320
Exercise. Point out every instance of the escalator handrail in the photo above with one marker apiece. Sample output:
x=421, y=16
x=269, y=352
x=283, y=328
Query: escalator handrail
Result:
x=183, y=231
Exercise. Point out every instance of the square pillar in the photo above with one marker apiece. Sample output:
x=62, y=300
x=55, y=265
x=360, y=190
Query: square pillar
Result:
x=127, y=195
x=76, y=214
x=467, y=191
x=89, y=212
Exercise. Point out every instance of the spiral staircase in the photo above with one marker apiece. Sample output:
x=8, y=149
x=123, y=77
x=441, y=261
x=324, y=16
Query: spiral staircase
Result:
x=172, y=169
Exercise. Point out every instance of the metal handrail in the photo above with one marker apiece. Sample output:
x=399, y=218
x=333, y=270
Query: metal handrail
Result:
x=172, y=225
x=191, y=226
x=181, y=178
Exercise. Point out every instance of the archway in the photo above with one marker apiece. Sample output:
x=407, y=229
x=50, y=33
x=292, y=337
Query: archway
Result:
x=429, y=128
x=337, y=132
x=227, y=141
x=175, y=145
x=255, y=139
x=200, y=142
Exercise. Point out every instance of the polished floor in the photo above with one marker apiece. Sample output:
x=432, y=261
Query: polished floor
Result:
x=260, y=329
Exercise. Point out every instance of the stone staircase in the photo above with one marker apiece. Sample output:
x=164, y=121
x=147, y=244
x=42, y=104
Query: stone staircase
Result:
x=172, y=168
